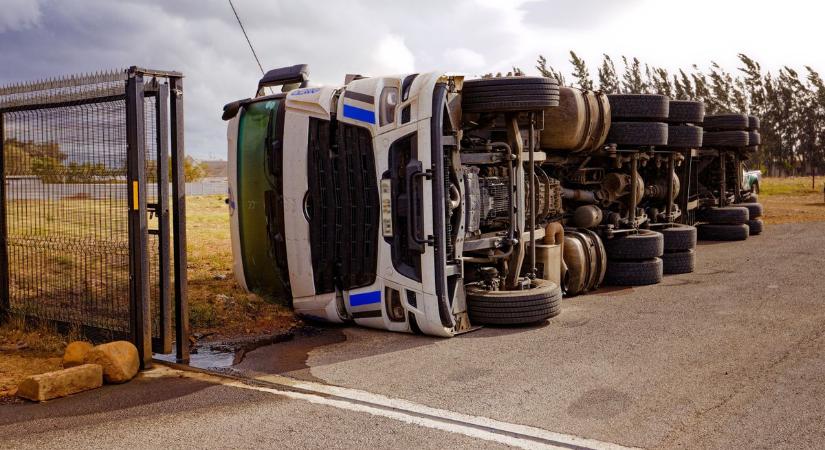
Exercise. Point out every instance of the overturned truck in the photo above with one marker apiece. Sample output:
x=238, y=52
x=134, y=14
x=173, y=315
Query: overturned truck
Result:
x=431, y=204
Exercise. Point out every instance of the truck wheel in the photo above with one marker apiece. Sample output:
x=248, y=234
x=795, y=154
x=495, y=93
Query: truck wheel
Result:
x=679, y=262
x=685, y=111
x=684, y=136
x=510, y=94
x=634, y=273
x=754, y=138
x=727, y=122
x=638, y=107
x=755, y=210
x=722, y=232
x=679, y=238
x=541, y=302
x=728, y=215
x=753, y=123
x=644, y=245
x=725, y=139
x=755, y=226
x=637, y=133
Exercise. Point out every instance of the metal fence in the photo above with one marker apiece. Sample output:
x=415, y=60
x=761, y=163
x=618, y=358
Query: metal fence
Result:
x=85, y=236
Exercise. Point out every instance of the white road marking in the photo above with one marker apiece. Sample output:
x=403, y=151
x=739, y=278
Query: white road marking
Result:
x=515, y=435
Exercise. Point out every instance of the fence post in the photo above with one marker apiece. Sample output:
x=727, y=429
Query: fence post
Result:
x=162, y=135
x=140, y=325
x=179, y=221
x=5, y=303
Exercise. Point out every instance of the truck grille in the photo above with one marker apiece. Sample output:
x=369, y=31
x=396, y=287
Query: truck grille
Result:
x=342, y=206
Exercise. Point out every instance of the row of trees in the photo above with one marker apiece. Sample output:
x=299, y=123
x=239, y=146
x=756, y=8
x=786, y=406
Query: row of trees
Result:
x=49, y=163
x=789, y=103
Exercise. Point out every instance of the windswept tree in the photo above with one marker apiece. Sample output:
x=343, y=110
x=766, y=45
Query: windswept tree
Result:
x=817, y=156
x=701, y=90
x=683, y=87
x=608, y=79
x=581, y=73
x=546, y=70
x=632, y=81
x=660, y=82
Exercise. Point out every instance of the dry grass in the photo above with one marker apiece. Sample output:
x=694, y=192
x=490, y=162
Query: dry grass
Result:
x=217, y=303
x=791, y=200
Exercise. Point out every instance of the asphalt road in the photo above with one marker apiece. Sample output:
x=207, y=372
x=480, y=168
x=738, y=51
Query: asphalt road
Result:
x=730, y=356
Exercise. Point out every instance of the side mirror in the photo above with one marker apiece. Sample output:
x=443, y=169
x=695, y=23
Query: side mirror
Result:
x=230, y=110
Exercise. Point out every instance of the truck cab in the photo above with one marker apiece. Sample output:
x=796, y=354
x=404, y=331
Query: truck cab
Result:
x=361, y=203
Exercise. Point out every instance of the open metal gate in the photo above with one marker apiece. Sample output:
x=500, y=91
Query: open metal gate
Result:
x=85, y=235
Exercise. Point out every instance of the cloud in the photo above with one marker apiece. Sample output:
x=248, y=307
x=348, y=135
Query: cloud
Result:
x=464, y=59
x=392, y=56
x=19, y=14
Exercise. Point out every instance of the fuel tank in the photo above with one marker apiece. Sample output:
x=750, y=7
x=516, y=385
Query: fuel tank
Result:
x=580, y=122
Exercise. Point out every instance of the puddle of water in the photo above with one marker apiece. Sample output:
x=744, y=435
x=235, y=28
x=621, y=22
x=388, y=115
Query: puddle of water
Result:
x=276, y=354
x=291, y=356
x=205, y=358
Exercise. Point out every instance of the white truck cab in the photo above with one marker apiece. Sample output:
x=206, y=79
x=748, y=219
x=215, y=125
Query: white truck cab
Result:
x=357, y=202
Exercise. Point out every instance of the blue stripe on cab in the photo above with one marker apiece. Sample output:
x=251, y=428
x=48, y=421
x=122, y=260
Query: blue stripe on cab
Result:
x=364, y=115
x=365, y=298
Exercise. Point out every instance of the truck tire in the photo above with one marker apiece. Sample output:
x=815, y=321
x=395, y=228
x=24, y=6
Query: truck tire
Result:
x=727, y=122
x=754, y=138
x=728, y=215
x=638, y=107
x=755, y=226
x=634, y=273
x=725, y=139
x=753, y=123
x=723, y=232
x=684, y=136
x=644, y=245
x=679, y=238
x=755, y=210
x=533, y=305
x=679, y=262
x=510, y=94
x=685, y=111
x=637, y=133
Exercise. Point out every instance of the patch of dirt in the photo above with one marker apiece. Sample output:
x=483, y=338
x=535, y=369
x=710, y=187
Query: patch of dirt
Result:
x=14, y=366
x=40, y=350
x=793, y=208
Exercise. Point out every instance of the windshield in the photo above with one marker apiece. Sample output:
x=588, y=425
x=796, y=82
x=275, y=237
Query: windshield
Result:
x=256, y=188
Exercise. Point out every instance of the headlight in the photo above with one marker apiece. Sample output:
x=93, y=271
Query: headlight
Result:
x=389, y=100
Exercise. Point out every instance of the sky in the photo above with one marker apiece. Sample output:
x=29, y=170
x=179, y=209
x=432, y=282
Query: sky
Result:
x=201, y=38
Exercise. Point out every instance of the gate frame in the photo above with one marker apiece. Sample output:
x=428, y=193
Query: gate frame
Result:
x=5, y=301
x=140, y=319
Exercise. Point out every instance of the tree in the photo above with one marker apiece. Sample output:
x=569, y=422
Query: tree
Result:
x=608, y=80
x=660, y=82
x=580, y=72
x=547, y=71
x=194, y=170
x=701, y=91
x=632, y=80
x=818, y=122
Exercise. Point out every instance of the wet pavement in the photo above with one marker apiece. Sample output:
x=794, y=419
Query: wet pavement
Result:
x=732, y=355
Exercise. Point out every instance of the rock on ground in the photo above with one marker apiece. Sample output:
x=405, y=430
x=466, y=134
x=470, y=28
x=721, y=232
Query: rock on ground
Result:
x=119, y=360
x=61, y=383
x=75, y=353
